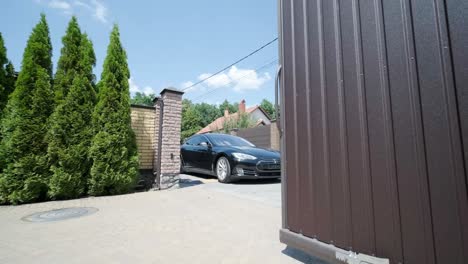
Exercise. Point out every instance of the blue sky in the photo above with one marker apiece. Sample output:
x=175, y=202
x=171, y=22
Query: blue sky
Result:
x=168, y=43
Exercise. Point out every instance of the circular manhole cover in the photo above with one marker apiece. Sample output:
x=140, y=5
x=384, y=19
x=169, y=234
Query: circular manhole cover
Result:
x=60, y=214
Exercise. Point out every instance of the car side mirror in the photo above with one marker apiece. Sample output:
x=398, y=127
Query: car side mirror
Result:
x=205, y=144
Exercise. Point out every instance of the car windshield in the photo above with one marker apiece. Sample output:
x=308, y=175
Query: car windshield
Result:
x=226, y=141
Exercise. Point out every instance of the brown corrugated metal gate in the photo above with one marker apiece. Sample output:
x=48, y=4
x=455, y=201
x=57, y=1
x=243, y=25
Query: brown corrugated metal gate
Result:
x=375, y=121
x=260, y=136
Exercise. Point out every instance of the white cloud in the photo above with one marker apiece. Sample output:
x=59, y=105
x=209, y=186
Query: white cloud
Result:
x=82, y=4
x=185, y=85
x=61, y=5
x=148, y=90
x=100, y=11
x=58, y=4
x=246, y=79
x=240, y=79
x=198, y=87
x=215, y=81
x=134, y=88
x=97, y=8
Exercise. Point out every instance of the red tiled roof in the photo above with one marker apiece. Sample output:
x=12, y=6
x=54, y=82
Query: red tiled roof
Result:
x=218, y=124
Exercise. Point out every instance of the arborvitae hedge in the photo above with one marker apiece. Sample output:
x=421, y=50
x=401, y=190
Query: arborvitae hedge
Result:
x=7, y=77
x=113, y=150
x=57, y=142
x=68, y=64
x=71, y=130
x=23, y=148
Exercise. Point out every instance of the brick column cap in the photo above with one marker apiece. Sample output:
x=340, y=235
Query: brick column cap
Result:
x=156, y=99
x=171, y=90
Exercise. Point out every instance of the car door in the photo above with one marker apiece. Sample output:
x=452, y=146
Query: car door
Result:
x=204, y=154
x=188, y=152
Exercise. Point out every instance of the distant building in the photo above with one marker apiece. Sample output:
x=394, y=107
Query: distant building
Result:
x=256, y=113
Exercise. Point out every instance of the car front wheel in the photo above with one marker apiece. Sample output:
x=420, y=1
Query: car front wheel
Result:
x=223, y=170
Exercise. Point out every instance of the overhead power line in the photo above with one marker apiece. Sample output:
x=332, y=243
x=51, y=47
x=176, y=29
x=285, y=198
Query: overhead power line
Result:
x=265, y=66
x=232, y=64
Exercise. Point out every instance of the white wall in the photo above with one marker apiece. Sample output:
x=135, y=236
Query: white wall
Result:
x=258, y=114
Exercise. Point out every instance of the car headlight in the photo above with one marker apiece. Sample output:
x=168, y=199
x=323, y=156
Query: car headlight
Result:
x=243, y=156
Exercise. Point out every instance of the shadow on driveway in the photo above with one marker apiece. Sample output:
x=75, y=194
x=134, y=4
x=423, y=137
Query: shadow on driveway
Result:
x=239, y=182
x=301, y=256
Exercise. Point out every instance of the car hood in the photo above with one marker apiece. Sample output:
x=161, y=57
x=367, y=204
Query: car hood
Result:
x=258, y=152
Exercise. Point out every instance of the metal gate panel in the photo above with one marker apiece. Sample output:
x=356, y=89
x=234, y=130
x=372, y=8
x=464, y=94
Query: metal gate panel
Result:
x=375, y=108
x=456, y=11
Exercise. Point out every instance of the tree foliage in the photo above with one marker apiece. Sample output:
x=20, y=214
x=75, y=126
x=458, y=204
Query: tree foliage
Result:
x=67, y=67
x=23, y=148
x=143, y=99
x=70, y=131
x=226, y=105
x=269, y=108
x=242, y=120
x=198, y=116
x=191, y=120
x=113, y=148
x=207, y=113
x=7, y=77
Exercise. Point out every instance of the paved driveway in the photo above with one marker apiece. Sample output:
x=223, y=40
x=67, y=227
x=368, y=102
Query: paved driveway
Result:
x=202, y=223
x=267, y=192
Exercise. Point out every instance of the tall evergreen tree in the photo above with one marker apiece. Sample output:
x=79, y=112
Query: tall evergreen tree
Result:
x=113, y=149
x=67, y=67
x=7, y=77
x=10, y=77
x=71, y=132
x=23, y=148
x=3, y=62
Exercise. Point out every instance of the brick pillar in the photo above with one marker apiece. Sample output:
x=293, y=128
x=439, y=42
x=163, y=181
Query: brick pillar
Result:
x=157, y=107
x=170, y=137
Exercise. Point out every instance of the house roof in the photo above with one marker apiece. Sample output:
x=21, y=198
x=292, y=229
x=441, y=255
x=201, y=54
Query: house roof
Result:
x=218, y=124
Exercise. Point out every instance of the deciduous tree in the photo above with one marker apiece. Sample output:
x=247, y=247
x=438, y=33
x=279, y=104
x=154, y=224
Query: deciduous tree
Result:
x=143, y=99
x=207, y=112
x=232, y=108
x=269, y=108
x=190, y=122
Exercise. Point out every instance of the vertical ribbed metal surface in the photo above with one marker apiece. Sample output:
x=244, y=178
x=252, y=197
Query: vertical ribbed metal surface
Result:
x=375, y=98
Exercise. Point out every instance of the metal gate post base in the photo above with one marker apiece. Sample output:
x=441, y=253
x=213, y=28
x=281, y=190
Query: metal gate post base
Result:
x=325, y=251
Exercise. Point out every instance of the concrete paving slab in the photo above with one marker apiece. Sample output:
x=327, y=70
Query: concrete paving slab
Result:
x=197, y=224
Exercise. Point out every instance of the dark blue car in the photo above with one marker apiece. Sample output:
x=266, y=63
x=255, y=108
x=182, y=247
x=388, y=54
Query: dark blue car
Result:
x=229, y=158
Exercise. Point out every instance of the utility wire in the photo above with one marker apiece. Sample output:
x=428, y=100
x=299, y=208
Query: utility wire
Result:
x=265, y=66
x=227, y=67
